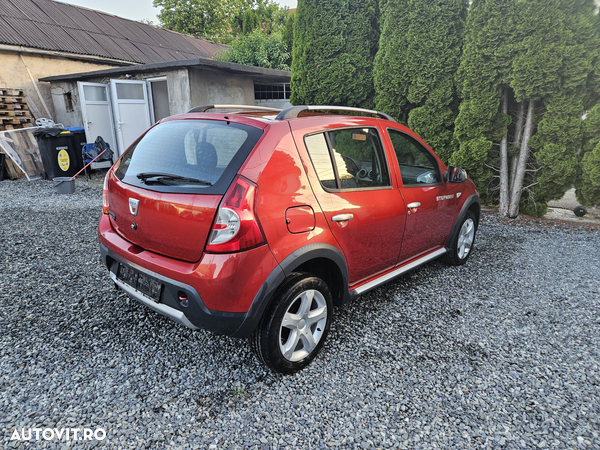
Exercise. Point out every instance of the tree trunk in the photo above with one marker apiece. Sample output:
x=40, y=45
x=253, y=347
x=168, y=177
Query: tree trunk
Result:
x=517, y=142
x=515, y=197
x=504, y=161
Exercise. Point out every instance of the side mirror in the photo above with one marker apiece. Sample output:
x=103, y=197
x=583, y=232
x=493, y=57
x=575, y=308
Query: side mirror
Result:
x=457, y=175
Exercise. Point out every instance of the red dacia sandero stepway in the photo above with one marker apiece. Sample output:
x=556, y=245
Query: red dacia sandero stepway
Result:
x=254, y=222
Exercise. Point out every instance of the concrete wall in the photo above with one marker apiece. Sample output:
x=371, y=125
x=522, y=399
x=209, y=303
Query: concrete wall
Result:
x=178, y=86
x=210, y=88
x=14, y=75
x=61, y=115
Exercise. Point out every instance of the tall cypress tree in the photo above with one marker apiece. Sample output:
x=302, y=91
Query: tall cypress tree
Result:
x=288, y=34
x=390, y=71
x=250, y=21
x=558, y=65
x=362, y=39
x=588, y=182
x=480, y=121
x=536, y=57
x=419, y=54
x=334, y=46
x=588, y=179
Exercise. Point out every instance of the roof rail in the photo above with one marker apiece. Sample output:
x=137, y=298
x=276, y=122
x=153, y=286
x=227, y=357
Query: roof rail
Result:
x=205, y=108
x=294, y=111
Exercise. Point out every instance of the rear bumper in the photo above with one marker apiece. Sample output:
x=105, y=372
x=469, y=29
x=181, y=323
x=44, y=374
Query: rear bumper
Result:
x=227, y=294
x=196, y=315
x=165, y=310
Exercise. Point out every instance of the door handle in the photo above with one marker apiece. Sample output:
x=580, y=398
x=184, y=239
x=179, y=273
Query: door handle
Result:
x=413, y=205
x=342, y=217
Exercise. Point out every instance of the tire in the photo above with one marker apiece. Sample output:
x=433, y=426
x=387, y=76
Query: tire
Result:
x=289, y=347
x=461, y=246
x=580, y=211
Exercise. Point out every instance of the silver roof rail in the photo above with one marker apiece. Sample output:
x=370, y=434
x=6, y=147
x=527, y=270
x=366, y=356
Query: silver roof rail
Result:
x=294, y=111
x=205, y=108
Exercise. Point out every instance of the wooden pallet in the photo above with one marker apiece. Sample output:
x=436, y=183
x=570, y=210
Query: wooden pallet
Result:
x=15, y=126
x=13, y=107
x=14, y=111
x=11, y=91
x=10, y=100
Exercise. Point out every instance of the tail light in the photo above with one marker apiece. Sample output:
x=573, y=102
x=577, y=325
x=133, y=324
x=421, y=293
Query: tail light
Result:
x=105, y=193
x=236, y=226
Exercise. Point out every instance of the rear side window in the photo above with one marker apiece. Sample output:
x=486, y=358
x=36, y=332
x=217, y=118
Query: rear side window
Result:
x=321, y=159
x=188, y=156
x=348, y=159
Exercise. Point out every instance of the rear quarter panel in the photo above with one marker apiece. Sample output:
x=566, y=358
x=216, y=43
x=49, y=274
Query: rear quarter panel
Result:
x=277, y=169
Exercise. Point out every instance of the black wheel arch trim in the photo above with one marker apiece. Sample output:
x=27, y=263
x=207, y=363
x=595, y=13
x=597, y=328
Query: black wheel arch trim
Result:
x=470, y=201
x=285, y=268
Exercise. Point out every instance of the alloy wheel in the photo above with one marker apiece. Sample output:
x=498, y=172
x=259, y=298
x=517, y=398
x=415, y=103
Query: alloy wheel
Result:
x=465, y=238
x=303, y=325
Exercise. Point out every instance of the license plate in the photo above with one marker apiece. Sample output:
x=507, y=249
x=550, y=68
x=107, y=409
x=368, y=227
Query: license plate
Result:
x=137, y=280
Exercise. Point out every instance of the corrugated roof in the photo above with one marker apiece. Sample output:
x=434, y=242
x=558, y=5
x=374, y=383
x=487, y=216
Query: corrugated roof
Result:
x=31, y=35
x=30, y=10
x=10, y=10
x=86, y=39
x=55, y=26
x=9, y=35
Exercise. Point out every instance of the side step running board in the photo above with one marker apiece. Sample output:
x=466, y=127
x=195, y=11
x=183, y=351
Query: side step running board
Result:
x=399, y=271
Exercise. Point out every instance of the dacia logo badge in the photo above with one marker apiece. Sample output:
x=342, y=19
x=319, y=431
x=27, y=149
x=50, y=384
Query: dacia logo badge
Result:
x=133, y=206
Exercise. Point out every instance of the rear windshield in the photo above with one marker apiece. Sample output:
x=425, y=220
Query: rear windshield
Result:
x=188, y=156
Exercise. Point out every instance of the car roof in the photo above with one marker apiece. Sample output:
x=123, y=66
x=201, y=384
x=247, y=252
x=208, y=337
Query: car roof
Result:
x=260, y=117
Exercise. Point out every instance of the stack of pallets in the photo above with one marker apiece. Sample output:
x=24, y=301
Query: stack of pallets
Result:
x=14, y=112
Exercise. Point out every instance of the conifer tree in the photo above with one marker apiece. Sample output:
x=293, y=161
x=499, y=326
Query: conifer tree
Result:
x=334, y=45
x=419, y=54
x=250, y=21
x=588, y=179
x=481, y=122
x=391, y=75
x=588, y=182
x=288, y=34
x=362, y=41
x=525, y=82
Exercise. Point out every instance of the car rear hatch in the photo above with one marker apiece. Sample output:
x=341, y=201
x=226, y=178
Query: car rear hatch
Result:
x=166, y=188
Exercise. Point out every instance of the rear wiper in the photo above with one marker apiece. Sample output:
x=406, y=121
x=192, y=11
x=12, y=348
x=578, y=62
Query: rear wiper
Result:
x=144, y=176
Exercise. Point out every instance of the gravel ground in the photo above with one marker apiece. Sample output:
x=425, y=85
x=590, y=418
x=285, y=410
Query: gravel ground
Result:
x=500, y=353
